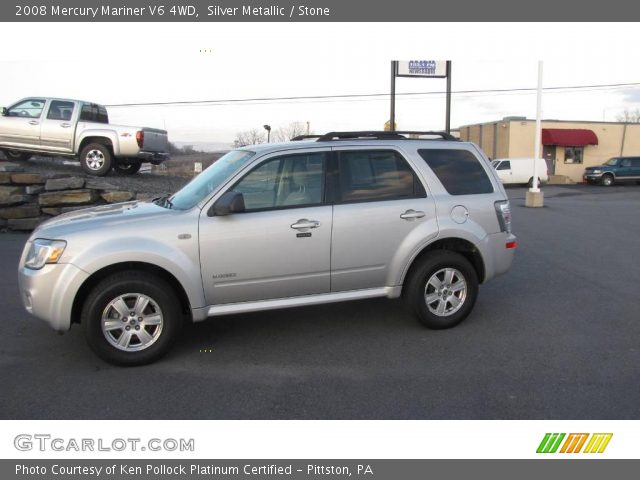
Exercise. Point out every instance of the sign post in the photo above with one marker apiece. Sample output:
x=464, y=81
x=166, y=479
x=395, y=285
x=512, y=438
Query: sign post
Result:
x=424, y=69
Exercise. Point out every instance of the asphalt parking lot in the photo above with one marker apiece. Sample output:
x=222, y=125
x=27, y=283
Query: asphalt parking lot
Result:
x=555, y=338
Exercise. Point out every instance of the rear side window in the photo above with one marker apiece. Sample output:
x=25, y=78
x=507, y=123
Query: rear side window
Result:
x=92, y=112
x=60, y=110
x=459, y=171
x=376, y=175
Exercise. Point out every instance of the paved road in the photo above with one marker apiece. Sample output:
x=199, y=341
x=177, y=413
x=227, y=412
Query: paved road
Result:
x=555, y=338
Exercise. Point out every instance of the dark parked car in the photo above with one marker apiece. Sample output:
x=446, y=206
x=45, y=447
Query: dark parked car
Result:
x=617, y=169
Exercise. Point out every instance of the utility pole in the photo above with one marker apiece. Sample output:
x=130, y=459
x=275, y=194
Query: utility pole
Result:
x=534, y=197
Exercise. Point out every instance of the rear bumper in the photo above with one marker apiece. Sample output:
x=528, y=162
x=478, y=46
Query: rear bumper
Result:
x=155, y=158
x=498, y=255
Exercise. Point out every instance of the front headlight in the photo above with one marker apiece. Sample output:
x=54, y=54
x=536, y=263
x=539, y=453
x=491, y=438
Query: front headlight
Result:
x=44, y=251
x=597, y=171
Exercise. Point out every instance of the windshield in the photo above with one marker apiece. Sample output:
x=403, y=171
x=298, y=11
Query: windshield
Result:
x=611, y=161
x=209, y=180
x=495, y=163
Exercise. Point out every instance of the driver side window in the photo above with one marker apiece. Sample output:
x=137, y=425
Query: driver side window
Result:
x=284, y=182
x=31, y=108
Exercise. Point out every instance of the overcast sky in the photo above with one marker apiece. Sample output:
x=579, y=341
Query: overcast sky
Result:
x=297, y=61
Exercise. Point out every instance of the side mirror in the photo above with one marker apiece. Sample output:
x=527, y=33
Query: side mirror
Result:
x=228, y=203
x=4, y=112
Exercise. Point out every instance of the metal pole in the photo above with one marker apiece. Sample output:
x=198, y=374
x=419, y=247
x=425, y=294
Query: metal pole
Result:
x=448, y=114
x=392, y=115
x=534, y=186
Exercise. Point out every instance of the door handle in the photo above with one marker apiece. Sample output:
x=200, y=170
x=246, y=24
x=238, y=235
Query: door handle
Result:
x=65, y=125
x=34, y=122
x=303, y=224
x=412, y=214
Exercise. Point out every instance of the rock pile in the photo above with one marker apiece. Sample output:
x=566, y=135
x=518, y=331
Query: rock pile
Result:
x=27, y=199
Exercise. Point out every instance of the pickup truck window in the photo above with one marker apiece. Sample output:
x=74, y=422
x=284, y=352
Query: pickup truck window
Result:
x=92, y=112
x=31, y=108
x=200, y=187
x=60, y=110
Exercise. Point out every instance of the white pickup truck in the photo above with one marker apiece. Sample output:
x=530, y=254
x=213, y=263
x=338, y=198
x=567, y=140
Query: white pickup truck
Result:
x=74, y=128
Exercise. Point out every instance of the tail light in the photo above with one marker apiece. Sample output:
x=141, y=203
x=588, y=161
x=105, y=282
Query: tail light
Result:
x=140, y=138
x=503, y=210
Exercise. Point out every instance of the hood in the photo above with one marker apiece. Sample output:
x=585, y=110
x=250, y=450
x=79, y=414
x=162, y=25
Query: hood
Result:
x=102, y=217
x=598, y=167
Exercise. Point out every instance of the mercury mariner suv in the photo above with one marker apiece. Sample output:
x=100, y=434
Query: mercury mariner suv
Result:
x=341, y=216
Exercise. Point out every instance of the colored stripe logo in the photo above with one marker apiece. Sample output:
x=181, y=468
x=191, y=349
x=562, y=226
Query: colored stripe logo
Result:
x=574, y=443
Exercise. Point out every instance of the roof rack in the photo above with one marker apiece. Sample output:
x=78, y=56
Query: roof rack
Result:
x=304, y=137
x=379, y=135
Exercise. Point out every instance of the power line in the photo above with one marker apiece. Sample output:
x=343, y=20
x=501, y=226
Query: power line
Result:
x=367, y=95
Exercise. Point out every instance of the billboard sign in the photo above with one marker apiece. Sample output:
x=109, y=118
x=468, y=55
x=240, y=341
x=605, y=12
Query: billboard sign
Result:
x=421, y=68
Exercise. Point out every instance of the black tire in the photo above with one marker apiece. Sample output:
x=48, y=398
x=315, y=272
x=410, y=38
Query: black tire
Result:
x=607, y=180
x=127, y=168
x=16, y=156
x=96, y=159
x=417, y=289
x=129, y=286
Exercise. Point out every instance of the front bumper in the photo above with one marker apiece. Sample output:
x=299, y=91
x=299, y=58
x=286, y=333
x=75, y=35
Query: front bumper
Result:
x=591, y=176
x=156, y=158
x=48, y=293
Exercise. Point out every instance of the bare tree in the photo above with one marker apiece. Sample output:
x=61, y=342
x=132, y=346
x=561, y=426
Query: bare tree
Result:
x=629, y=116
x=249, y=137
x=284, y=134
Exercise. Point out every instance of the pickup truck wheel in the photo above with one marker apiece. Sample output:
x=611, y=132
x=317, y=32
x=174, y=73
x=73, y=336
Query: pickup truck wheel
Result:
x=96, y=159
x=17, y=156
x=443, y=289
x=607, y=180
x=131, y=318
x=127, y=169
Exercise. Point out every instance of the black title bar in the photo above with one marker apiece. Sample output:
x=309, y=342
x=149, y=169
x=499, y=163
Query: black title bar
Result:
x=316, y=11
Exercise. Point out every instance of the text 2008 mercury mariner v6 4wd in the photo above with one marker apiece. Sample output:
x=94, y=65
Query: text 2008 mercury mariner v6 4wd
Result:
x=341, y=216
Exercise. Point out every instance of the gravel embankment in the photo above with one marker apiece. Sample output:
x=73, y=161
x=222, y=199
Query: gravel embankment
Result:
x=149, y=182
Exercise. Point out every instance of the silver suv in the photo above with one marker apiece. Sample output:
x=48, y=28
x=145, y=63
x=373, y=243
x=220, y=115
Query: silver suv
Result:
x=342, y=216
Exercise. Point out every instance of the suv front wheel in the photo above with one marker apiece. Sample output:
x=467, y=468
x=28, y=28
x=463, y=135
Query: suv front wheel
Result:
x=607, y=180
x=443, y=289
x=130, y=318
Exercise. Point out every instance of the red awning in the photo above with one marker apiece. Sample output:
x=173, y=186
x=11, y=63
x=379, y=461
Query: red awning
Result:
x=568, y=137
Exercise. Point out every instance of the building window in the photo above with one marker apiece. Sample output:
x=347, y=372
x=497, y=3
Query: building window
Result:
x=573, y=154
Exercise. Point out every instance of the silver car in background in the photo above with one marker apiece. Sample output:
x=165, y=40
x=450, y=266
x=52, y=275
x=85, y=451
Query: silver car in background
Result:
x=343, y=216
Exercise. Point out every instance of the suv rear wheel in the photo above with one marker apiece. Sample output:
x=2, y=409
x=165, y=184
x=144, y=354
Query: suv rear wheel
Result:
x=443, y=289
x=131, y=318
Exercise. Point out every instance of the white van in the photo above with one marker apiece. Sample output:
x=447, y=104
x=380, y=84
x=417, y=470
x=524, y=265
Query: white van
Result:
x=519, y=170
